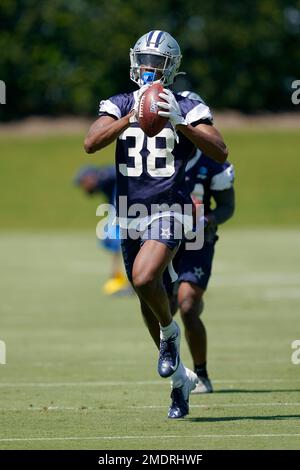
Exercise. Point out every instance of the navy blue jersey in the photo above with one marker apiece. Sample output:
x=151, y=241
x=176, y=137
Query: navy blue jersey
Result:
x=204, y=175
x=152, y=170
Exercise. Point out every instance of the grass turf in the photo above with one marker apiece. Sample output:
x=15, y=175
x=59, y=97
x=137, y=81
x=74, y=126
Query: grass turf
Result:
x=80, y=367
x=80, y=370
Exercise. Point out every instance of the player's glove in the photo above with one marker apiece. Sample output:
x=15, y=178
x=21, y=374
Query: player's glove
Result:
x=135, y=109
x=171, y=110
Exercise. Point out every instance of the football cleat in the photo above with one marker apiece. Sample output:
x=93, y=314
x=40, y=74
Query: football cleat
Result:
x=115, y=284
x=169, y=359
x=180, y=396
x=124, y=292
x=203, y=386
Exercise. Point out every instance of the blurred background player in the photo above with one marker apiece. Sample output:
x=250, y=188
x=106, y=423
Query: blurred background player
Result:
x=209, y=182
x=102, y=180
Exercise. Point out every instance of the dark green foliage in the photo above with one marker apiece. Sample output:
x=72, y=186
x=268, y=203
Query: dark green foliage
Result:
x=61, y=56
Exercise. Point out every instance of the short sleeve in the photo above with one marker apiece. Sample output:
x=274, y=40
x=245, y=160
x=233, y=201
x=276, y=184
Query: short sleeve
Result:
x=223, y=180
x=117, y=105
x=194, y=111
x=109, y=107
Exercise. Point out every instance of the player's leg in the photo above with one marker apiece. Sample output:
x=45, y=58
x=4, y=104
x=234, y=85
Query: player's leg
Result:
x=117, y=283
x=148, y=267
x=190, y=300
x=160, y=242
x=145, y=268
x=183, y=381
x=194, y=270
x=151, y=322
x=116, y=267
x=191, y=305
x=147, y=273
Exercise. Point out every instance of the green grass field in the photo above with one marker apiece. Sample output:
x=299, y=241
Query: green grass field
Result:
x=81, y=368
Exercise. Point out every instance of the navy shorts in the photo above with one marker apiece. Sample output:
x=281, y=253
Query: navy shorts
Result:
x=161, y=229
x=194, y=266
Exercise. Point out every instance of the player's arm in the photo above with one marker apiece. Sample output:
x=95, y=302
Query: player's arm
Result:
x=111, y=123
x=104, y=131
x=204, y=136
x=225, y=204
x=207, y=138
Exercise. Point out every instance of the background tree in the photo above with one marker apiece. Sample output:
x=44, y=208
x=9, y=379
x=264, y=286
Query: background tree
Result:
x=61, y=57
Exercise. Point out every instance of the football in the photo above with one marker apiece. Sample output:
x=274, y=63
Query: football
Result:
x=150, y=121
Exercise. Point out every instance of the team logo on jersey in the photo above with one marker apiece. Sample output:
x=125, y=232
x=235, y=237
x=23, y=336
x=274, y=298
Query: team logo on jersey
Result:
x=198, y=272
x=165, y=232
x=202, y=173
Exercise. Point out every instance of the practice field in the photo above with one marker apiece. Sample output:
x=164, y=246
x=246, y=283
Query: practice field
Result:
x=80, y=370
x=36, y=191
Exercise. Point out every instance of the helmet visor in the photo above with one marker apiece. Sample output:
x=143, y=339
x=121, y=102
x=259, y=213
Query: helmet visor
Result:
x=151, y=60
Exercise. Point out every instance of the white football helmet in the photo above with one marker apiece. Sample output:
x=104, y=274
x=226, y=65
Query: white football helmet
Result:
x=156, y=51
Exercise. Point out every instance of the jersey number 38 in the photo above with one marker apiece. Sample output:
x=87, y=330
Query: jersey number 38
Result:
x=135, y=143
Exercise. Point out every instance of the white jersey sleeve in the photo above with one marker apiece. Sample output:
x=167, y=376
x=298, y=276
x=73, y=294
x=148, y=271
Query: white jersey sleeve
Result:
x=199, y=113
x=107, y=106
x=223, y=180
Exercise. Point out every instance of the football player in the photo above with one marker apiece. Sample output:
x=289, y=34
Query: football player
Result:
x=102, y=180
x=152, y=171
x=208, y=181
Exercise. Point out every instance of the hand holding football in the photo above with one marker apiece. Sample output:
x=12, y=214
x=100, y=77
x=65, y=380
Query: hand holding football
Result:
x=149, y=119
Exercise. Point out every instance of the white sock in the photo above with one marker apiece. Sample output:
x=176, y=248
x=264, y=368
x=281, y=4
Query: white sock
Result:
x=179, y=376
x=167, y=331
